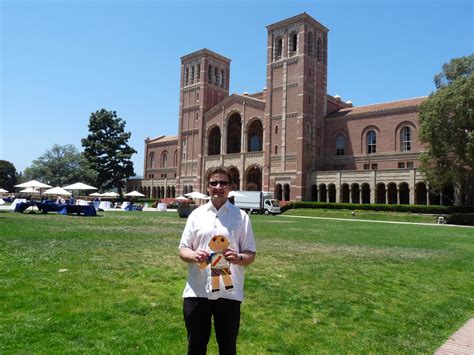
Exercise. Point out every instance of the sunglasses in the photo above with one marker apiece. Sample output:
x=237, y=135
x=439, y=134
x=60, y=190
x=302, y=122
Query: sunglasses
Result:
x=218, y=182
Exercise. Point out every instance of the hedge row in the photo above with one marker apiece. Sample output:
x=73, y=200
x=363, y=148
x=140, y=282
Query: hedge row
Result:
x=461, y=218
x=431, y=209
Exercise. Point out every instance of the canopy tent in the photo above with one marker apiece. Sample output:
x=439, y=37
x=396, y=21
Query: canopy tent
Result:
x=57, y=191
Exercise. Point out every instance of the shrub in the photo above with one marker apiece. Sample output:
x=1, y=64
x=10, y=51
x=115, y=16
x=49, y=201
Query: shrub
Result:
x=461, y=219
x=431, y=209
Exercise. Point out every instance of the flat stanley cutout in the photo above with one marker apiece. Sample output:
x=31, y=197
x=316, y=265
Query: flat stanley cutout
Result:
x=219, y=264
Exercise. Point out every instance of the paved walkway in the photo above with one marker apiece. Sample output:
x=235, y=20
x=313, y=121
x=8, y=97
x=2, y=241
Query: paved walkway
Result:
x=461, y=342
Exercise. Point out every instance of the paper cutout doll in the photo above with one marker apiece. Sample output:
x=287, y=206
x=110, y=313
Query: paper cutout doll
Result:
x=219, y=264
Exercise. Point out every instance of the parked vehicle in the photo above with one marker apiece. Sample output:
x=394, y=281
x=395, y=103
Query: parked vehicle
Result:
x=257, y=202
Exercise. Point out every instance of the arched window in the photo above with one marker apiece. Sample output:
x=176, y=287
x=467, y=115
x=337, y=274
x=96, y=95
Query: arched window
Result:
x=420, y=193
x=234, y=178
x=278, y=192
x=209, y=74
x=223, y=78
x=314, y=193
x=175, y=159
x=319, y=49
x=331, y=193
x=198, y=76
x=391, y=193
x=340, y=144
x=184, y=150
x=255, y=137
x=214, y=145
x=365, y=193
x=276, y=149
x=151, y=160
x=234, y=129
x=186, y=76
x=405, y=139
x=322, y=193
x=371, y=142
x=164, y=160
x=355, y=193
x=344, y=194
x=216, y=76
x=310, y=44
x=276, y=129
x=286, y=192
x=404, y=193
x=254, y=178
x=192, y=75
x=293, y=44
x=278, y=48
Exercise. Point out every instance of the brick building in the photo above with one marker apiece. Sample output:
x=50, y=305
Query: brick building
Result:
x=293, y=139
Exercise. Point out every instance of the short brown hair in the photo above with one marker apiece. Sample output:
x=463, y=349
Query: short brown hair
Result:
x=218, y=170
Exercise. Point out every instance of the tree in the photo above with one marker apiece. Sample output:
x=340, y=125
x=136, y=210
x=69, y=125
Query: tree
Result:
x=107, y=150
x=8, y=175
x=62, y=165
x=447, y=129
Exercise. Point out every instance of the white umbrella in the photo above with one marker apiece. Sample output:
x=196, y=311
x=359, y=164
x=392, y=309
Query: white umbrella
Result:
x=196, y=194
x=79, y=186
x=56, y=191
x=135, y=194
x=30, y=190
x=110, y=194
x=33, y=184
x=234, y=194
x=181, y=198
x=95, y=194
x=3, y=191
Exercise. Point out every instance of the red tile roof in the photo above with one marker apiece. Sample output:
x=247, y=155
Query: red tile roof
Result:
x=380, y=109
x=164, y=139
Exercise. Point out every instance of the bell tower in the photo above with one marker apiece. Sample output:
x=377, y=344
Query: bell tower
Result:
x=295, y=102
x=204, y=83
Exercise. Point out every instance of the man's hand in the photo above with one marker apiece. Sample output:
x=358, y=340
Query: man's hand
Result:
x=232, y=256
x=193, y=256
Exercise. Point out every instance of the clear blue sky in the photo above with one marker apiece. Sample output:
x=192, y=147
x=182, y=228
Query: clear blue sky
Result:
x=62, y=60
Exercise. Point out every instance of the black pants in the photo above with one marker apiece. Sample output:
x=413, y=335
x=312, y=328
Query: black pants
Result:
x=197, y=316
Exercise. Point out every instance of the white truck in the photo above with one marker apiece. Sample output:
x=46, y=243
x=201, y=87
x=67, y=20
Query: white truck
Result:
x=256, y=201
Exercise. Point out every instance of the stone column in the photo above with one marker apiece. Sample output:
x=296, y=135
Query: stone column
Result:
x=373, y=186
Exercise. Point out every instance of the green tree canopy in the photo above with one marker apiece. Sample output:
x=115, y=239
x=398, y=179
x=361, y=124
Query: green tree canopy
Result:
x=62, y=165
x=107, y=150
x=8, y=175
x=447, y=129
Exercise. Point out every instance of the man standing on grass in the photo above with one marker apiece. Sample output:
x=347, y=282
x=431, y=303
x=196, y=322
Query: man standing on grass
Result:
x=201, y=301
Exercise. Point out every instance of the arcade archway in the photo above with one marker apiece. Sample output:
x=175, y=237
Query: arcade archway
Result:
x=253, y=178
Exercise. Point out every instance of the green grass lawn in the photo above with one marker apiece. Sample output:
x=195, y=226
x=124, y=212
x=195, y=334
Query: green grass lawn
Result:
x=113, y=284
x=364, y=215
